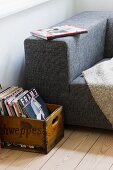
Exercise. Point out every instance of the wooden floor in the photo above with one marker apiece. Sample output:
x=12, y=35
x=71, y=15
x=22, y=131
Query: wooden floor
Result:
x=80, y=149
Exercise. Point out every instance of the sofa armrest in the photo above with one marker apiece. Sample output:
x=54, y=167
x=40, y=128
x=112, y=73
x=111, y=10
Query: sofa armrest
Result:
x=46, y=66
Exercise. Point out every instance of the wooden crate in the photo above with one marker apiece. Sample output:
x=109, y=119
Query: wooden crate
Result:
x=33, y=135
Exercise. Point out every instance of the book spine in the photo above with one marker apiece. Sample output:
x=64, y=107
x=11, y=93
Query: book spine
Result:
x=7, y=107
x=25, y=112
x=20, y=110
x=16, y=109
x=1, y=112
x=4, y=110
x=11, y=109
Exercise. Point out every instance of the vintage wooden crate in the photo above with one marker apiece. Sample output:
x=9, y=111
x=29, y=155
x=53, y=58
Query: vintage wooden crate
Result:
x=33, y=135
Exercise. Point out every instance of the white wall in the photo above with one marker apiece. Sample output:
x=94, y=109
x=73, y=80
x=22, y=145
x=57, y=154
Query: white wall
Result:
x=93, y=5
x=15, y=28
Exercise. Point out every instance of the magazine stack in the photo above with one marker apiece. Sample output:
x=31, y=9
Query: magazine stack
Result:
x=15, y=101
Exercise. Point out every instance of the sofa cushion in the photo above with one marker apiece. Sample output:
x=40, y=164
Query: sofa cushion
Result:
x=81, y=80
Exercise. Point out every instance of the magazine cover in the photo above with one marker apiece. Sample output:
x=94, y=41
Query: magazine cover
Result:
x=60, y=31
x=33, y=105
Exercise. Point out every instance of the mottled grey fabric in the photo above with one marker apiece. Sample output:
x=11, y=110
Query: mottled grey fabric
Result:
x=54, y=67
x=47, y=67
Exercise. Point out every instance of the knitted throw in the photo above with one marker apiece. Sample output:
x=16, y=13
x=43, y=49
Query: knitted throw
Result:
x=100, y=81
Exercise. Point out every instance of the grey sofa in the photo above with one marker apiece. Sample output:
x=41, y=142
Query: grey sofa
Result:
x=55, y=67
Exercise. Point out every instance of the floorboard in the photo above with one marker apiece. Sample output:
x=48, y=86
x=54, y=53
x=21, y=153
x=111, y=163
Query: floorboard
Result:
x=72, y=151
x=80, y=149
x=31, y=161
x=100, y=156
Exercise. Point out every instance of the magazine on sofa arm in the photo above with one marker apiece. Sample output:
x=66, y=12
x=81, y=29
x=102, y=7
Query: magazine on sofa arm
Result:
x=59, y=31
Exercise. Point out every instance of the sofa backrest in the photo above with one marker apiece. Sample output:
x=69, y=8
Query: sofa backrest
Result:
x=109, y=38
